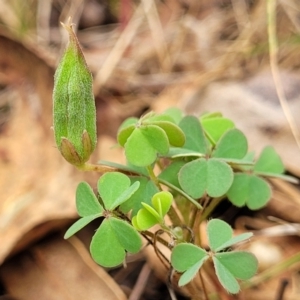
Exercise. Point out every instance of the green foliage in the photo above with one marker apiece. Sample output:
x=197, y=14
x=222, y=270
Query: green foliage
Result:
x=174, y=164
x=144, y=139
x=74, y=112
x=215, y=126
x=144, y=194
x=269, y=161
x=194, y=133
x=114, y=189
x=187, y=258
x=110, y=241
x=201, y=176
x=233, y=144
x=148, y=216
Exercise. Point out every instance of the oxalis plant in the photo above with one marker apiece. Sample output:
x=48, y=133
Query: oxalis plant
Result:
x=179, y=168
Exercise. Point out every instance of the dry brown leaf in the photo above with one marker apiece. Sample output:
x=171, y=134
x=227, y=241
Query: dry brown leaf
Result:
x=36, y=184
x=58, y=269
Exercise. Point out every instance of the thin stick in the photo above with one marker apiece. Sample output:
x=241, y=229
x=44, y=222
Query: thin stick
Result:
x=116, y=53
x=157, y=34
x=273, y=52
x=141, y=283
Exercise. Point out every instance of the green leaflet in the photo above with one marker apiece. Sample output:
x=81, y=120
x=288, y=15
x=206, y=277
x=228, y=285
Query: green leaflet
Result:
x=74, y=112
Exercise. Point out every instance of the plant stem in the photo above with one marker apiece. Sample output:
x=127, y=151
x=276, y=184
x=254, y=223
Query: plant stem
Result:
x=158, y=238
x=179, y=191
x=153, y=177
x=210, y=208
x=193, y=217
x=97, y=168
x=203, y=285
x=173, y=215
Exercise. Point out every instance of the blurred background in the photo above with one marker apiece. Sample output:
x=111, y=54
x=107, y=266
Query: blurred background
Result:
x=198, y=55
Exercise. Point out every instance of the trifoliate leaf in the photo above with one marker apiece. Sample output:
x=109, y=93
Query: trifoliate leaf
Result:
x=211, y=176
x=110, y=241
x=144, y=144
x=148, y=216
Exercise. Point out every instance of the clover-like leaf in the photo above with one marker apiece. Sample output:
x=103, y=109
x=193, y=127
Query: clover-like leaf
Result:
x=86, y=201
x=187, y=258
x=143, y=145
x=250, y=190
x=148, y=216
x=233, y=144
x=162, y=202
x=234, y=265
x=269, y=161
x=111, y=241
x=220, y=235
x=114, y=189
x=215, y=127
x=195, y=137
x=211, y=176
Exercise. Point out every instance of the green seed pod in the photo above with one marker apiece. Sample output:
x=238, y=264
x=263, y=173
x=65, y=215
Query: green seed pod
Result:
x=74, y=111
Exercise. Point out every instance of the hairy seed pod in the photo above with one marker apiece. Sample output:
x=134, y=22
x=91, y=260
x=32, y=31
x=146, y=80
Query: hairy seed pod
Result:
x=74, y=112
